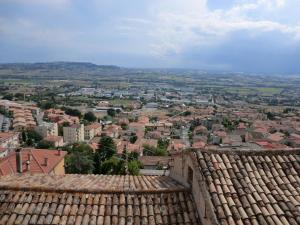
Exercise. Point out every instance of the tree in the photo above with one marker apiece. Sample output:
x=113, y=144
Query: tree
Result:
x=133, y=138
x=111, y=112
x=80, y=159
x=124, y=126
x=90, y=116
x=163, y=143
x=134, y=167
x=187, y=113
x=46, y=104
x=113, y=165
x=30, y=137
x=107, y=149
x=43, y=144
x=8, y=97
x=72, y=112
x=270, y=115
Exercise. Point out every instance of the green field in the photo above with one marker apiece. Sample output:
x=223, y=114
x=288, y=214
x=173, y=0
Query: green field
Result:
x=264, y=91
x=119, y=102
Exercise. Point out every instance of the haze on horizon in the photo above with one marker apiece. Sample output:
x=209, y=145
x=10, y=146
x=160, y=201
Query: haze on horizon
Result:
x=229, y=35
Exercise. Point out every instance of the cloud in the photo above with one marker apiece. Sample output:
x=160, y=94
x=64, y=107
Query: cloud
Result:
x=34, y=34
x=179, y=26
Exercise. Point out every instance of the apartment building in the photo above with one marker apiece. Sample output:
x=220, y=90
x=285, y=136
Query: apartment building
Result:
x=46, y=129
x=74, y=133
x=92, y=130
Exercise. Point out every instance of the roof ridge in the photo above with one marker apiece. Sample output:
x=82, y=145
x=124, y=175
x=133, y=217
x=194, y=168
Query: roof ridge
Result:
x=30, y=150
x=250, y=151
x=92, y=191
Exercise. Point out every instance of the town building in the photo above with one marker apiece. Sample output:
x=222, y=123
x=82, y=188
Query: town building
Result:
x=74, y=133
x=9, y=140
x=92, y=130
x=57, y=141
x=46, y=129
x=34, y=161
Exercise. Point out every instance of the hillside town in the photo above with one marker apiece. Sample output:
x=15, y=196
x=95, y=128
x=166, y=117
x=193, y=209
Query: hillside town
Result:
x=147, y=156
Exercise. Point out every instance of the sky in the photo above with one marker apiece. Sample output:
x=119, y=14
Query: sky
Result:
x=257, y=36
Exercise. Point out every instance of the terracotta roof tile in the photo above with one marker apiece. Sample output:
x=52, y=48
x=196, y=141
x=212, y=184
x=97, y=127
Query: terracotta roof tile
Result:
x=37, y=159
x=94, y=199
x=253, y=187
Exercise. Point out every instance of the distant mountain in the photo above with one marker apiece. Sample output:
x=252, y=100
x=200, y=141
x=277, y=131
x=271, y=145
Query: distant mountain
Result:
x=56, y=65
x=55, y=70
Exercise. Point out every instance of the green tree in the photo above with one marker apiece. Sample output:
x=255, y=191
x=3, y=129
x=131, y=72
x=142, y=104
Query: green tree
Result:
x=72, y=112
x=43, y=144
x=163, y=143
x=187, y=113
x=113, y=165
x=8, y=97
x=107, y=149
x=124, y=126
x=90, y=117
x=133, y=138
x=80, y=159
x=270, y=115
x=111, y=112
x=30, y=137
x=47, y=105
x=134, y=167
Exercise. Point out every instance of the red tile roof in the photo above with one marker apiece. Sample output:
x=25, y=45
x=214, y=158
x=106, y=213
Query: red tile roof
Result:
x=8, y=163
x=53, y=138
x=252, y=187
x=95, y=199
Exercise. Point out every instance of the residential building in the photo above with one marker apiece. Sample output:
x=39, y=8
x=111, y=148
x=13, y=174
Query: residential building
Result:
x=34, y=161
x=46, y=129
x=57, y=141
x=73, y=133
x=9, y=140
x=92, y=130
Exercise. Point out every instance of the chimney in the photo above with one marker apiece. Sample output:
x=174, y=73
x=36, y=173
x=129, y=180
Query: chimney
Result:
x=58, y=152
x=28, y=162
x=19, y=160
x=46, y=161
x=29, y=157
x=27, y=165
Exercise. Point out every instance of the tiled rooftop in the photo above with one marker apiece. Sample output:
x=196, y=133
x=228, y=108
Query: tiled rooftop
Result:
x=36, y=157
x=253, y=187
x=92, y=199
x=90, y=183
